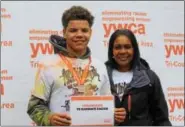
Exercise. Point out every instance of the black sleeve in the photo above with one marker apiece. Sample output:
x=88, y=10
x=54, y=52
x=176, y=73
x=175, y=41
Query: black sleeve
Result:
x=158, y=106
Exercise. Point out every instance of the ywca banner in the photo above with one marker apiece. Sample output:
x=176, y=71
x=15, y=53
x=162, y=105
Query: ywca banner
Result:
x=26, y=26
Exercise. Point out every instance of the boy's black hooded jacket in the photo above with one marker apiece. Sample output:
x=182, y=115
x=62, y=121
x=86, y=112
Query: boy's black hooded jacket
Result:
x=143, y=98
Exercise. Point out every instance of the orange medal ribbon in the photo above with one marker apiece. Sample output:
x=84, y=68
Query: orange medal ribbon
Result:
x=80, y=80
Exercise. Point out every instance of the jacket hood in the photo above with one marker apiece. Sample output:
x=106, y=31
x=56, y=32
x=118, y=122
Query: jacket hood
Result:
x=140, y=75
x=59, y=45
x=144, y=64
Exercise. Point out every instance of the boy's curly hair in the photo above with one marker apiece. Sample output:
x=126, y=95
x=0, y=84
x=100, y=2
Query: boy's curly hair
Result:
x=77, y=13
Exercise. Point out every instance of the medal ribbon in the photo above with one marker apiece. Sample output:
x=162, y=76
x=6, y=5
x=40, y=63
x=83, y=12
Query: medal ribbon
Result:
x=80, y=80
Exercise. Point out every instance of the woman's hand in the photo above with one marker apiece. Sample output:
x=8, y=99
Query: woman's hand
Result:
x=119, y=115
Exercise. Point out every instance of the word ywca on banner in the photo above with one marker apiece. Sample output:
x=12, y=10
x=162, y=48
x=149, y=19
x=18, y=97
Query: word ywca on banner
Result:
x=174, y=49
x=136, y=28
x=39, y=44
x=41, y=48
x=176, y=104
x=39, y=41
x=176, y=98
x=125, y=19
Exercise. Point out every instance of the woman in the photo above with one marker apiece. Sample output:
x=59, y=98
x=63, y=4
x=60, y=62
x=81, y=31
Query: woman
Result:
x=135, y=86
